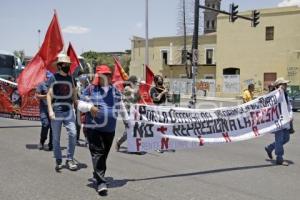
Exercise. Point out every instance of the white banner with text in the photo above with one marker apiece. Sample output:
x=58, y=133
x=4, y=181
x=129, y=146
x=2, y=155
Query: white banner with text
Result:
x=159, y=127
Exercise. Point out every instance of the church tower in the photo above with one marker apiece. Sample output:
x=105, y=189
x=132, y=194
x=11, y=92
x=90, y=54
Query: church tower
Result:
x=210, y=17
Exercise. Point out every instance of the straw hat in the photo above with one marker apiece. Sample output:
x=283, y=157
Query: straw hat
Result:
x=280, y=81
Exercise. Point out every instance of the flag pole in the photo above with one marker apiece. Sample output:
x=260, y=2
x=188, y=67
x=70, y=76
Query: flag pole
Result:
x=146, y=63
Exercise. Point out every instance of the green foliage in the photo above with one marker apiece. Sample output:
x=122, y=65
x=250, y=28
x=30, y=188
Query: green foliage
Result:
x=98, y=58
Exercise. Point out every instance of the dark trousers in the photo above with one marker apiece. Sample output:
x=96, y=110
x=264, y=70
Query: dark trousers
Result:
x=78, y=126
x=45, y=120
x=99, y=145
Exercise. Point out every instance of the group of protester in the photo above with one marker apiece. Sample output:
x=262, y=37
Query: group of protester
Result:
x=97, y=105
x=282, y=136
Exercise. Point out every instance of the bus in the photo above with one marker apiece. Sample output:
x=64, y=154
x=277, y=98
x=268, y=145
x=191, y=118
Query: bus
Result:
x=10, y=65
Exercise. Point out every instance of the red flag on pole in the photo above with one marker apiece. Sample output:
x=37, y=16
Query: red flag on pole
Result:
x=149, y=76
x=35, y=71
x=73, y=57
x=145, y=87
x=119, y=75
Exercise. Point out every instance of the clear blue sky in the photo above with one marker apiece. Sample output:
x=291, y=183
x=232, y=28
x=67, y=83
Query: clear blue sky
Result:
x=99, y=25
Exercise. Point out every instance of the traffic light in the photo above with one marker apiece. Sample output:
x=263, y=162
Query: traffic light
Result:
x=189, y=56
x=255, y=18
x=233, y=12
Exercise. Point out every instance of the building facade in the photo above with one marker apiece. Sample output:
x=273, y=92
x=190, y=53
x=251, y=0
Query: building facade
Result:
x=258, y=55
x=235, y=56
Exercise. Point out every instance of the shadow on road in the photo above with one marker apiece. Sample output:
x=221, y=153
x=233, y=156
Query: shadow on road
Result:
x=207, y=172
x=29, y=126
x=35, y=146
x=111, y=182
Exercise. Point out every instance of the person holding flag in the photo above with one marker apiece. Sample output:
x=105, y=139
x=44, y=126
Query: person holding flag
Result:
x=60, y=98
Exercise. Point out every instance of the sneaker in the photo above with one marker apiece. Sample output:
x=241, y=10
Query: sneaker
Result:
x=40, y=146
x=282, y=162
x=160, y=151
x=58, y=166
x=269, y=153
x=71, y=165
x=102, y=189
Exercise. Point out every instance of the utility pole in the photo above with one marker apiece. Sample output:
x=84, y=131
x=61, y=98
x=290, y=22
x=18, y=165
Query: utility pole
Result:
x=195, y=54
x=233, y=16
x=146, y=63
x=39, y=38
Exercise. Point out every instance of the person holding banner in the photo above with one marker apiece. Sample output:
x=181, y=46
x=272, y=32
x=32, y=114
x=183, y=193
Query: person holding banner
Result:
x=60, y=99
x=282, y=136
x=131, y=96
x=41, y=93
x=159, y=93
x=248, y=94
x=101, y=102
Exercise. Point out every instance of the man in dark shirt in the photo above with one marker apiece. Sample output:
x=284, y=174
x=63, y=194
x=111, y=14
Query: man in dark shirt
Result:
x=159, y=92
x=60, y=99
x=41, y=93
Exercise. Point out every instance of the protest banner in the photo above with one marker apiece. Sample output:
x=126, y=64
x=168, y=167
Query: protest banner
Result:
x=158, y=127
x=14, y=106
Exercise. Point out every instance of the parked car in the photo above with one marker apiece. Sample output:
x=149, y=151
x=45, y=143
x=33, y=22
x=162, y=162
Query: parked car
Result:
x=295, y=101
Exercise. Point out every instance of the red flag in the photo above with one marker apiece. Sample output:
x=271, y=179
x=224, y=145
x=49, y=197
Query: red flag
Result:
x=73, y=57
x=145, y=94
x=149, y=76
x=145, y=87
x=119, y=75
x=35, y=71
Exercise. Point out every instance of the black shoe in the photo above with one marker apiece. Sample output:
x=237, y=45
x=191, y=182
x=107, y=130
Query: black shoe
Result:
x=40, y=146
x=102, y=189
x=58, y=166
x=50, y=147
x=269, y=153
x=71, y=165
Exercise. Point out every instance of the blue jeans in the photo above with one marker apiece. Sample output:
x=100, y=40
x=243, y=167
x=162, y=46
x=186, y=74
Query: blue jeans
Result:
x=45, y=120
x=68, y=120
x=281, y=137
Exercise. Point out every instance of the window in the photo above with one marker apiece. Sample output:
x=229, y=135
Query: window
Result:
x=270, y=33
x=213, y=23
x=207, y=24
x=213, y=6
x=209, y=56
x=165, y=57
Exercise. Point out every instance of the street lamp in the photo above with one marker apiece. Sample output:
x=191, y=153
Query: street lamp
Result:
x=39, y=38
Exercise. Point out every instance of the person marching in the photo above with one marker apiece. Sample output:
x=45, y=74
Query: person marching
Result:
x=159, y=94
x=131, y=96
x=41, y=93
x=60, y=99
x=101, y=102
x=282, y=136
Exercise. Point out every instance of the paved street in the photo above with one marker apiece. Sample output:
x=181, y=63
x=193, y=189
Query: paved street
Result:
x=222, y=171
